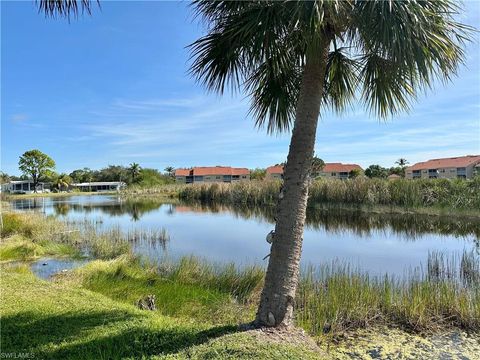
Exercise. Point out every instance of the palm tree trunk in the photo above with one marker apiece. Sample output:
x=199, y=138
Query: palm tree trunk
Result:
x=277, y=299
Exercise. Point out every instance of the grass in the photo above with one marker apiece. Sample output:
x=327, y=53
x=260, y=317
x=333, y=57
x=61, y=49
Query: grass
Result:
x=28, y=236
x=90, y=312
x=432, y=193
x=55, y=321
x=445, y=294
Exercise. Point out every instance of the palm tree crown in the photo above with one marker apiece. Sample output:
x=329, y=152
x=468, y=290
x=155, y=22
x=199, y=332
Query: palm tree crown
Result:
x=384, y=52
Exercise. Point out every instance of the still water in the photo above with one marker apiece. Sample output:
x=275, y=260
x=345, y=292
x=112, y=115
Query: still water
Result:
x=377, y=243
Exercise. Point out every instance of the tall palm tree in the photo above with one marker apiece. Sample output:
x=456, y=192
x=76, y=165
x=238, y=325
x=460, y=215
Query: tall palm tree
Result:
x=134, y=170
x=295, y=58
x=402, y=162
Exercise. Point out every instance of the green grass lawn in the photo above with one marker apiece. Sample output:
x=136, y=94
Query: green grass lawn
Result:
x=59, y=321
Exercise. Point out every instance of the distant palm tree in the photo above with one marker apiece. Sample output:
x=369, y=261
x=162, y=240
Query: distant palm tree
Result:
x=170, y=171
x=134, y=169
x=62, y=182
x=402, y=162
x=295, y=57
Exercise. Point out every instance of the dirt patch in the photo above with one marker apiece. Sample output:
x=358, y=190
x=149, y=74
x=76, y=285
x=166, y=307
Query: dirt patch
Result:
x=290, y=336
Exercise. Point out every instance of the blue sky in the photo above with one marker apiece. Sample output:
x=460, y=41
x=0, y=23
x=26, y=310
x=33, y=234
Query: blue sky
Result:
x=114, y=88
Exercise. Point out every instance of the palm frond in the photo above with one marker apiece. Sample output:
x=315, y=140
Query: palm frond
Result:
x=341, y=79
x=65, y=8
x=416, y=41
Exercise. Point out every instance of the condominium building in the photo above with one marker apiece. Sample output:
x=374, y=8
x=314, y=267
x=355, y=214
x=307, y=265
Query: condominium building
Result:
x=464, y=167
x=275, y=172
x=338, y=170
x=330, y=170
x=211, y=174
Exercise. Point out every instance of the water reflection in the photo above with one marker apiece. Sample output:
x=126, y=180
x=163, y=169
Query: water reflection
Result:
x=378, y=242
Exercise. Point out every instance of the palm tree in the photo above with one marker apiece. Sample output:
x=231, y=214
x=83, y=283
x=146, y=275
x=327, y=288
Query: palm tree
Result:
x=295, y=58
x=62, y=181
x=170, y=171
x=134, y=170
x=402, y=162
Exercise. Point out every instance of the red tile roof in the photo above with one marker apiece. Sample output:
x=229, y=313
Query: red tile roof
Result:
x=212, y=170
x=453, y=162
x=339, y=167
x=240, y=171
x=276, y=169
x=182, y=172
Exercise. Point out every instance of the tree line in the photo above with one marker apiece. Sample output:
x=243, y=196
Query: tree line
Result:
x=40, y=167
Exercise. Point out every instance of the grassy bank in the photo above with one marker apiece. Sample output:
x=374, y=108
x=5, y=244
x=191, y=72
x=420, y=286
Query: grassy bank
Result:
x=440, y=194
x=331, y=299
x=57, y=321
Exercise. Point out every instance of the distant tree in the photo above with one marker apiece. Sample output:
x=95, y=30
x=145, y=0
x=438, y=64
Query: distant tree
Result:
x=376, y=171
x=397, y=170
x=170, y=171
x=4, y=177
x=402, y=162
x=258, y=174
x=134, y=170
x=35, y=164
x=113, y=173
x=354, y=173
x=82, y=175
x=152, y=177
x=317, y=166
x=62, y=182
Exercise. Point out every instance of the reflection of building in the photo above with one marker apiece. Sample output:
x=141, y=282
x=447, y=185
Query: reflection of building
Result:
x=463, y=167
x=330, y=170
x=22, y=187
x=100, y=186
x=211, y=174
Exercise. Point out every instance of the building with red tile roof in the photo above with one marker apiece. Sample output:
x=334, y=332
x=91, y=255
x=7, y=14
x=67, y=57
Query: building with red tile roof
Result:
x=211, y=174
x=464, y=167
x=330, y=170
x=275, y=172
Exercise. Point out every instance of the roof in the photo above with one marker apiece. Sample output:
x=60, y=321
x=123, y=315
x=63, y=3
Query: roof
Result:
x=394, y=176
x=100, y=183
x=211, y=170
x=21, y=182
x=276, y=169
x=453, y=162
x=339, y=167
x=182, y=172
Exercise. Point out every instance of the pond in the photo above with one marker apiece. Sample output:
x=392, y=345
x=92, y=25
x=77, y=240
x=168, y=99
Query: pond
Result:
x=374, y=242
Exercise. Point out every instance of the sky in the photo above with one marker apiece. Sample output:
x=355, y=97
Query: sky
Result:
x=114, y=88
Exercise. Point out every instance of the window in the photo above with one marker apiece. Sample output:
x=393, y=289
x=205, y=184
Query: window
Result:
x=218, y=178
x=334, y=174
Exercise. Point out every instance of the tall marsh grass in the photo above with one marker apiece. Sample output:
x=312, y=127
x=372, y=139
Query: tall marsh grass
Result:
x=441, y=193
x=446, y=293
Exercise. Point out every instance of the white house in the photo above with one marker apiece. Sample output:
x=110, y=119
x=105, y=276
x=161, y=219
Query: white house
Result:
x=22, y=187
